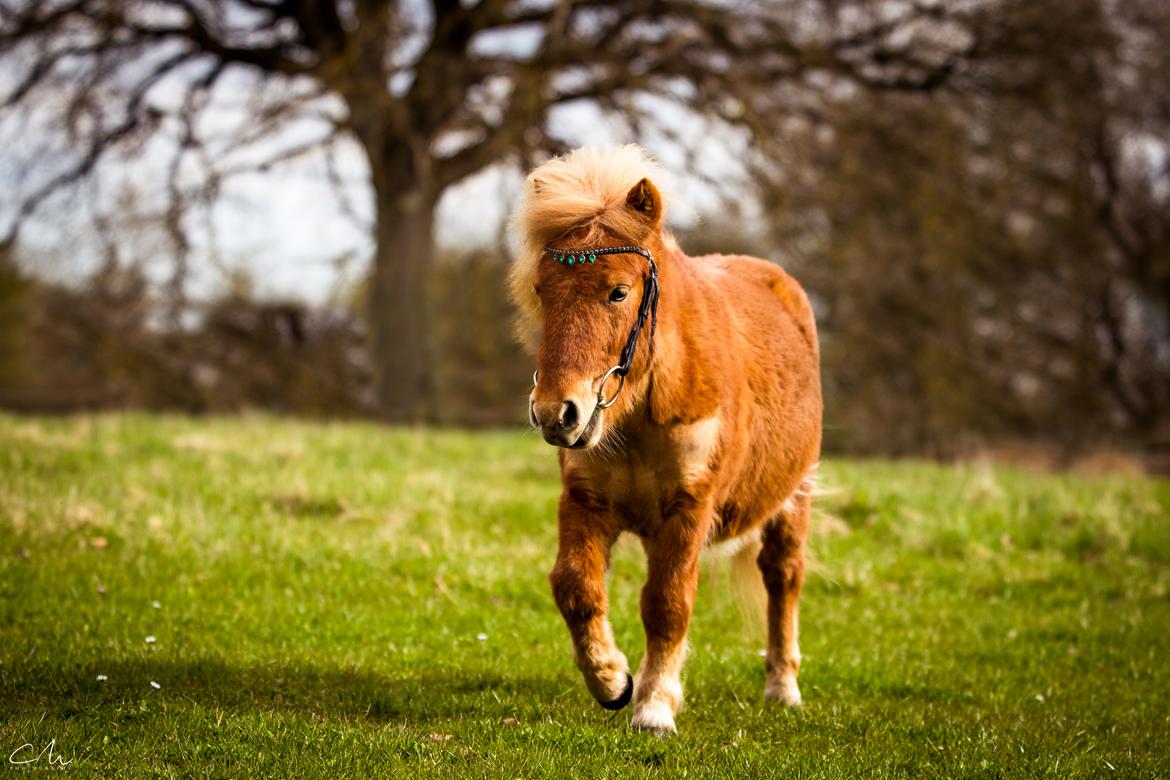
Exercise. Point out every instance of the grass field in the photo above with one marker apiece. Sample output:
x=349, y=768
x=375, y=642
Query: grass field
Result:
x=347, y=600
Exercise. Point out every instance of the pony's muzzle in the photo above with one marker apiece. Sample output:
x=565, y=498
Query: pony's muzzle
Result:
x=563, y=422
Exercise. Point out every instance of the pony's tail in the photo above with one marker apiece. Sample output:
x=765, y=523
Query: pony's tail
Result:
x=747, y=583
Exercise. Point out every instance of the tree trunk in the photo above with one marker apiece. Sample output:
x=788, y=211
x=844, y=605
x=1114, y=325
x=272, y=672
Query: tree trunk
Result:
x=400, y=306
x=404, y=201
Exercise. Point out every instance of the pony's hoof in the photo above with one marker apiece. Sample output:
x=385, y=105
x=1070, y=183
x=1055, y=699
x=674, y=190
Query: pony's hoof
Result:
x=624, y=699
x=655, y=718
x=786, y=693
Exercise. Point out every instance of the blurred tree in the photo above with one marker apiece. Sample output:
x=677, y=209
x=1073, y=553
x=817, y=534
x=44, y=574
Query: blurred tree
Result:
x=15, y=294
x=995, y=260
x=100, y=345
x=484, y=374
x=436, y=91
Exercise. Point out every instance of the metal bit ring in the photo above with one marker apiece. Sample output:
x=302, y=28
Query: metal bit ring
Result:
x=601, y=402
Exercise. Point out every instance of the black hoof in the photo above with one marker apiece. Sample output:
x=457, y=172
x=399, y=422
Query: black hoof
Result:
x=622, y=700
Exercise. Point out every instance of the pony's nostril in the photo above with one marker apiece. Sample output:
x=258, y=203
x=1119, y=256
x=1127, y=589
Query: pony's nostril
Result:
x=568, y=419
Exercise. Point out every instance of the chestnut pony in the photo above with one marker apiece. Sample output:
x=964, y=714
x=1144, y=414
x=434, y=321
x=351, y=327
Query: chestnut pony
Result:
x=684, y=393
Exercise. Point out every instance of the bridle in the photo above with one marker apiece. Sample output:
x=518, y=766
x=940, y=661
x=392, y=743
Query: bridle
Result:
x=647, y=310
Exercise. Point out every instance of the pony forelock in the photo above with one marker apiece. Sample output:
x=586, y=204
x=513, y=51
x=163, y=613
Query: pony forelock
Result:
x=583, y=190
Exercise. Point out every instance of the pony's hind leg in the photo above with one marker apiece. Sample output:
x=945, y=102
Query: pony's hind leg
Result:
x=578, y=585
x=781, y=562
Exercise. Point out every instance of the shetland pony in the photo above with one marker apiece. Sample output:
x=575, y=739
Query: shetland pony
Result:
x=684, y=395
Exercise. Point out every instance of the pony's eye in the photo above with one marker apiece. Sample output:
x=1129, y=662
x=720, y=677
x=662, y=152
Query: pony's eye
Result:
x=618, y=294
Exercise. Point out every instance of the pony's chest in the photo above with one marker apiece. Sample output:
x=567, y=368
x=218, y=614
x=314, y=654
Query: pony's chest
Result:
x=657, y=469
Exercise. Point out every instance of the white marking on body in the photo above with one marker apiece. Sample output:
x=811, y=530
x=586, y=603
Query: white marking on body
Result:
x=696, y=444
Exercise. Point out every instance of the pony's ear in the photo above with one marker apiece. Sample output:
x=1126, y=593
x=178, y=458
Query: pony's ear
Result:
x=645, y=200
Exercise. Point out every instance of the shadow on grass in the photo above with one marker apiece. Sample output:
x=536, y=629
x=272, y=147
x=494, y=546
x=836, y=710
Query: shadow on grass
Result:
x=307, y=691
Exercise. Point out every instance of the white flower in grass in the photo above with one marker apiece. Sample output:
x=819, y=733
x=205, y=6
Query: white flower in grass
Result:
x=481, y=637
x=150, y=639
x=102, y=678
x=156, y=605
x=154, y=685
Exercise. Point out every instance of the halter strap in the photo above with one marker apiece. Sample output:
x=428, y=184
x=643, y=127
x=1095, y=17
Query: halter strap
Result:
x=647, y=309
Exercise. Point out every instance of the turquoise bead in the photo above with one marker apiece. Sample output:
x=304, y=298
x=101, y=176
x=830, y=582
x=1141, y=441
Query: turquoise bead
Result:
x=570, y=259
x=593, y=258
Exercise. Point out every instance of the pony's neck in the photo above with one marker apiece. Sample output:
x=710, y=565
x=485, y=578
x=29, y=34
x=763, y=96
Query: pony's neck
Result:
x=680, y=386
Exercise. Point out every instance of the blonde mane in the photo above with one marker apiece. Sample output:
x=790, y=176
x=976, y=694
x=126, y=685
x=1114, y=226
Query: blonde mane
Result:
x=583, y=190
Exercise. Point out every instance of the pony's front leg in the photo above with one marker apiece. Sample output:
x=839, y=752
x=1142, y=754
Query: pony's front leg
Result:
x=672, y=568
x=587, y=534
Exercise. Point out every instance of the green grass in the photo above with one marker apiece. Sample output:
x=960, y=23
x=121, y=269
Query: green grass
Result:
x=347, y=600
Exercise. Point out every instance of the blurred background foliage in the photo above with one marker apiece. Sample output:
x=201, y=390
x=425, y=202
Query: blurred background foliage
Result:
x=983, y=224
